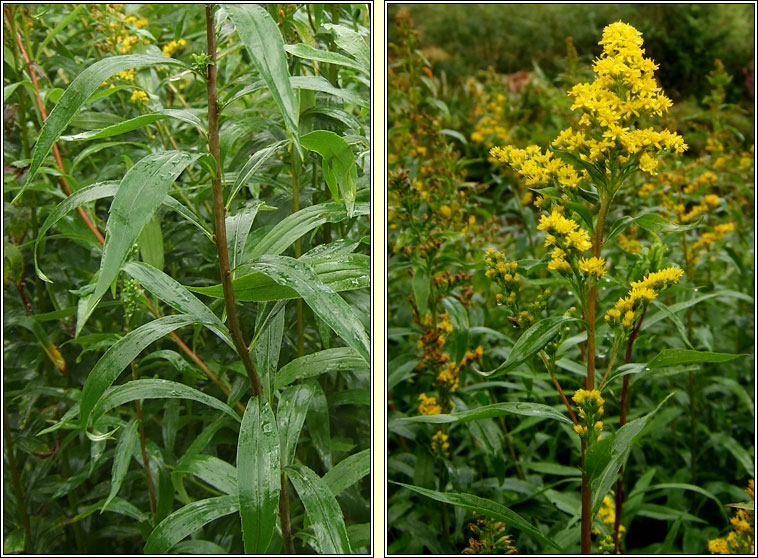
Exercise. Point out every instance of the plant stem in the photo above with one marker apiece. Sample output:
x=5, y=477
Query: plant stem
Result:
x=284, y=515
x=589, y=384
x=219, y=211
x=145, y=461
x=20, y=502
x=622, y=421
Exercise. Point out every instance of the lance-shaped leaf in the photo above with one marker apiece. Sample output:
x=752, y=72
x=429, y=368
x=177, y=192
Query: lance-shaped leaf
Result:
x=348, y=471
x=340, y=170
x=290, y=416
x=150, y=388
x=237, y=229
x=530, y=343
x=182, y=115
x=340, y=272
x=78, y=91
x=289, y=229
x=309, y=53
x=258, y=475
x=324, y=302
x=487, y=412
x=177, y=296
x=484, y=507
x=127, y=444
x=118, y=357
x=339, y=359
x=141, y=191
x=264, y=42
x=188, y=520
x=323, y=511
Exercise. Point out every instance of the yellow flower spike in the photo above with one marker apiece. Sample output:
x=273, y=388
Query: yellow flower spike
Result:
x=593, y=266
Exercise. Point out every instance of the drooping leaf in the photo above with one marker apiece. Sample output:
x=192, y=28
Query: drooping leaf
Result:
x=323, y=511
x=141, y=191
x=339, y=167
x=348, y=471
x=522, y=408
x=487, y=508
x=290, y=416
x=118, y=357
x=652, y=222
x=177, y=296
x=318, y=83
x=324, y=302
x=339, y=272
x=309, y=53
x=258, y=475
x=78, y=91
x=138, y=122
x=188, y=520
x=531, y=342
x=312, y=365
x=289, y=229
x=127, y=444
x=152, y=388
x=264, y=42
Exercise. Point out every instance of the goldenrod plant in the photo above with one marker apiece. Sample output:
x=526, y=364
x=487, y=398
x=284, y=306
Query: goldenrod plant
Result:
x=572, y=424
x=186, y=198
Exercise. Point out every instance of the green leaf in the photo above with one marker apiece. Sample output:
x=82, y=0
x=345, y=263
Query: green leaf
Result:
x=324, y=302
x=138, y=122
x=263, y=41
x=351, y=42
x=148, y=388
x=237, y=229
x=318, y=83
x=268, y=346
x=652, y=222
x=597, y=457
x=150, y=243
x=530, y=343
x=300, y=223
x=671, y=357
x=309, y=53
x=216, y=472
x=251, y=166
x=620, y=446
x=319, y=428
x=76, y=94
x=339, y=359
x=584, y=213
x=118, y=357
x=290, y=416
x=486, y=412
x=486, y=508
x=258, y=475
x=323, y=511
x=188, y=520
x=141, y=191
x=177, y=296
x=340, y=170
x=126, y=446
x=339, y=272
x=348, y=471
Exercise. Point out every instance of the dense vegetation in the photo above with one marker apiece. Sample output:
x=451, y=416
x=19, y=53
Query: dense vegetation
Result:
x=186, y=268
x=571, y=279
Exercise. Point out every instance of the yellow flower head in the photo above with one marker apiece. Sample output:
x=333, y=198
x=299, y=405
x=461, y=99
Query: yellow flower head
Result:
x=428, y=405
x=593, y=266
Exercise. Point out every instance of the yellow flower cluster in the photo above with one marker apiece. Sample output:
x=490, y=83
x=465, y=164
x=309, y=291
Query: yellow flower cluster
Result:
x=169, y=49
x=124, y=43
x=540, y=169
x=568, y=239
x=593, y=266
x=493, y=120
x=741, y=539
x=624, y=90
x=645, y=290
x=709, y=201
x=590, y=404
x=428, y=405
x=448, y=378
x=707, y=239
x=141, y=22
x=440, y=444
x=139, y=96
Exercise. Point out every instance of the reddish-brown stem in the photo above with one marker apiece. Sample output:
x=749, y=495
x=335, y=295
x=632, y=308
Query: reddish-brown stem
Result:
x=219, y=212
x=145, y=460
x=565, y=401
x=43, y=113
x=623, y=404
